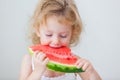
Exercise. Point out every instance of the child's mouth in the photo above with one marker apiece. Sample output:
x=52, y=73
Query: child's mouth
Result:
x=55, y=46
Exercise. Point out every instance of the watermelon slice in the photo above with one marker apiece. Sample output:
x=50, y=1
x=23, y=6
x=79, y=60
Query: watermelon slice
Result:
x=61, y=59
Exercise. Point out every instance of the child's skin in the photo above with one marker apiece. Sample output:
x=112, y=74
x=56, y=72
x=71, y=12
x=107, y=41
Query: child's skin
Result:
x=55, y=35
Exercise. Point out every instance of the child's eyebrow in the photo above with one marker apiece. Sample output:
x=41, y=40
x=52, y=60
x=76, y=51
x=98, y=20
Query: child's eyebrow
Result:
x=66, y=32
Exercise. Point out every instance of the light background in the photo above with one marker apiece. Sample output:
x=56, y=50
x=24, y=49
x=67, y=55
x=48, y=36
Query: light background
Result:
x=100, y=41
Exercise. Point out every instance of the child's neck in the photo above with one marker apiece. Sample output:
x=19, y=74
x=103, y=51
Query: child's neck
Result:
x=49, y=73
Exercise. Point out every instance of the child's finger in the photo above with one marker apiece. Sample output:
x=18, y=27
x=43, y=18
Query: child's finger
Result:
x=80, y=65
x=81, y=60
x=46, y=61
x=35, y=54
x=78, y=61
x=85, y=66
x=41, y=56
x=38, y=55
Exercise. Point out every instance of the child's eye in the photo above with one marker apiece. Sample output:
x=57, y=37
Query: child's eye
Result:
x=48, y=35
x=63, y=36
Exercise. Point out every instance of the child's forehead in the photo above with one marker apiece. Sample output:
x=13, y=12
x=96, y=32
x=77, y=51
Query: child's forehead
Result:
x=53, y=24
x=58, y=19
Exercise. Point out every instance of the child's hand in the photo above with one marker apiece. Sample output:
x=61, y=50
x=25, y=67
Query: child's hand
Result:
x=40, y=61
x=84, y=64
x=90, y=73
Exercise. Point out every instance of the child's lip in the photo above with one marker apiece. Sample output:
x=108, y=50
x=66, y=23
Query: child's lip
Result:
x=56, y=47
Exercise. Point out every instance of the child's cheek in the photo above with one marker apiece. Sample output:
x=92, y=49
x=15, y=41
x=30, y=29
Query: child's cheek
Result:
x=66, y=42
x=45, y=42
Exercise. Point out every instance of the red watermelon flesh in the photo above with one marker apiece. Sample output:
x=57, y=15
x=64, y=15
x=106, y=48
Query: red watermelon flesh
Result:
x=59, y=57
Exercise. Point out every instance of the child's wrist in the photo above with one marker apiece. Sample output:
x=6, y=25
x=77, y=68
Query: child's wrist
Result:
x=36, y=75
x=90, y=75
x=38, y=72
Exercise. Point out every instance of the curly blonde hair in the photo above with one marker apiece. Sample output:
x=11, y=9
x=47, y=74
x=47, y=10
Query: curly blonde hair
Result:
x=66, y=12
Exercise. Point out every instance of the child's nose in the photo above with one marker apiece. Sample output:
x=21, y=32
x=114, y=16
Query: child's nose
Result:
x=56, y=41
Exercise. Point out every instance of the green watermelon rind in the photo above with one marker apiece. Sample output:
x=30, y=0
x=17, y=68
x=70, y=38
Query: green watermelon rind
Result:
x=30, y=51
x=63, y=68
x=54, y=66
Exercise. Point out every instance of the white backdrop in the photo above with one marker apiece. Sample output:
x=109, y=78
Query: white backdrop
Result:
x=100, y=39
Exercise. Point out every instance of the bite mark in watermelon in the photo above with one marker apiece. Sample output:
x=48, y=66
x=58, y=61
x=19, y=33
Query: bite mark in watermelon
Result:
x=61, y=59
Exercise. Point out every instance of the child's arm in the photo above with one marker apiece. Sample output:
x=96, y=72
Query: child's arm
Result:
x=90, y=73
x=27, y=73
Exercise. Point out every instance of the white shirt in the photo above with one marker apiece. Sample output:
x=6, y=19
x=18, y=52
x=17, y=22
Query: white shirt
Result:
x=67, y=76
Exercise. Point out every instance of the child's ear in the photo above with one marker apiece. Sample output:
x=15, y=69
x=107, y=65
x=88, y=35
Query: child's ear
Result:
x=37, y=32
